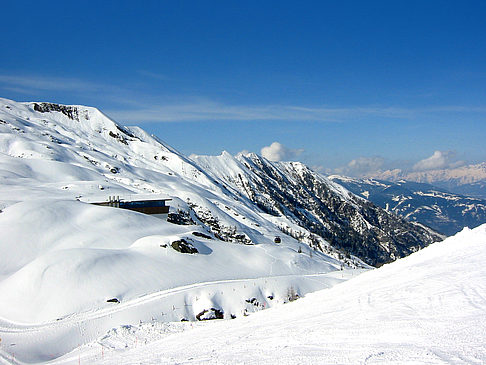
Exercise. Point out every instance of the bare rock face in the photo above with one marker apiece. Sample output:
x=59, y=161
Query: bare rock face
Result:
x=70, y=111
x=184, y=246
x=209, y=314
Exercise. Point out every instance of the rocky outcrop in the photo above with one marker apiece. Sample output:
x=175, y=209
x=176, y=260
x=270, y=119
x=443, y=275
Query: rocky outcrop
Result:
x=184, y=246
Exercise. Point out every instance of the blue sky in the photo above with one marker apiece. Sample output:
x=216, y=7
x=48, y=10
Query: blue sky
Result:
x=381, y=82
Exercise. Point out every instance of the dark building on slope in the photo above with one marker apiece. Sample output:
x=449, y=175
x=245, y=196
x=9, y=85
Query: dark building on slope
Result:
x=155, y=207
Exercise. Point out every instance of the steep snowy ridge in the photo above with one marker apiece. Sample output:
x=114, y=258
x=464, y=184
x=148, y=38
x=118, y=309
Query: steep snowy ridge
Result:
x=320, y=206
x=435, y=207
x=85, y=137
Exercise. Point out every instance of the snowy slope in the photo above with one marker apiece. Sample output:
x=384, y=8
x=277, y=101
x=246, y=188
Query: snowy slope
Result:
x=62, y=261
x=71, y=271
x=428, y=308
x=64, y=264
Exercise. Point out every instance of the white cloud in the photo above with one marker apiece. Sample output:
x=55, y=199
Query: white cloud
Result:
x=439, y=160
x=278, y=152
x=362, y=166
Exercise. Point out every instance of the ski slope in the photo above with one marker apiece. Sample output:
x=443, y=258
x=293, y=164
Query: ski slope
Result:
x=428, y=308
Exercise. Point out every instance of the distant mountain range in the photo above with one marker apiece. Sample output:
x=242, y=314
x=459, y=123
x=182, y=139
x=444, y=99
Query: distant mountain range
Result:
x=469, y=180
x=419, y=202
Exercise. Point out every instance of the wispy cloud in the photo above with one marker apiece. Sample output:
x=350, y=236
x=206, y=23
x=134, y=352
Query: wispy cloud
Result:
x=206, y=110
x=152, y=75
x=26, y=83
x=134, y=108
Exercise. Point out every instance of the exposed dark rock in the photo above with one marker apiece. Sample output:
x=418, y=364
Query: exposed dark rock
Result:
x=113, y=300
x=181, y=218
x=125, y=131
x=212, y=313
x=118, y=137
x=220, y=231
x=70, y=111
x=253, y=301
x=199, y=234
x=183, y=246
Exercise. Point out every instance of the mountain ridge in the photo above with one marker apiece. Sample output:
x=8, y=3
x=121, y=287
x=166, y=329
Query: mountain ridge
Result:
x=102, y=155
x=317, y=204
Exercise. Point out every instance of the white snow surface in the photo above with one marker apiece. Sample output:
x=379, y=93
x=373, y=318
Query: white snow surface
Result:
x=428, y=308
x=62, y=259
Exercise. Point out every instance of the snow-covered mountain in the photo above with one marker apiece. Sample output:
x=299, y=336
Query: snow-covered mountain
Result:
x=323, y=207
x=467, y=180
x=70, y=270
x=77, y=152
x=435, y=207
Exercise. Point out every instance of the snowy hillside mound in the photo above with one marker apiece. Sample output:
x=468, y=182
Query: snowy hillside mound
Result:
x=428, y=308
